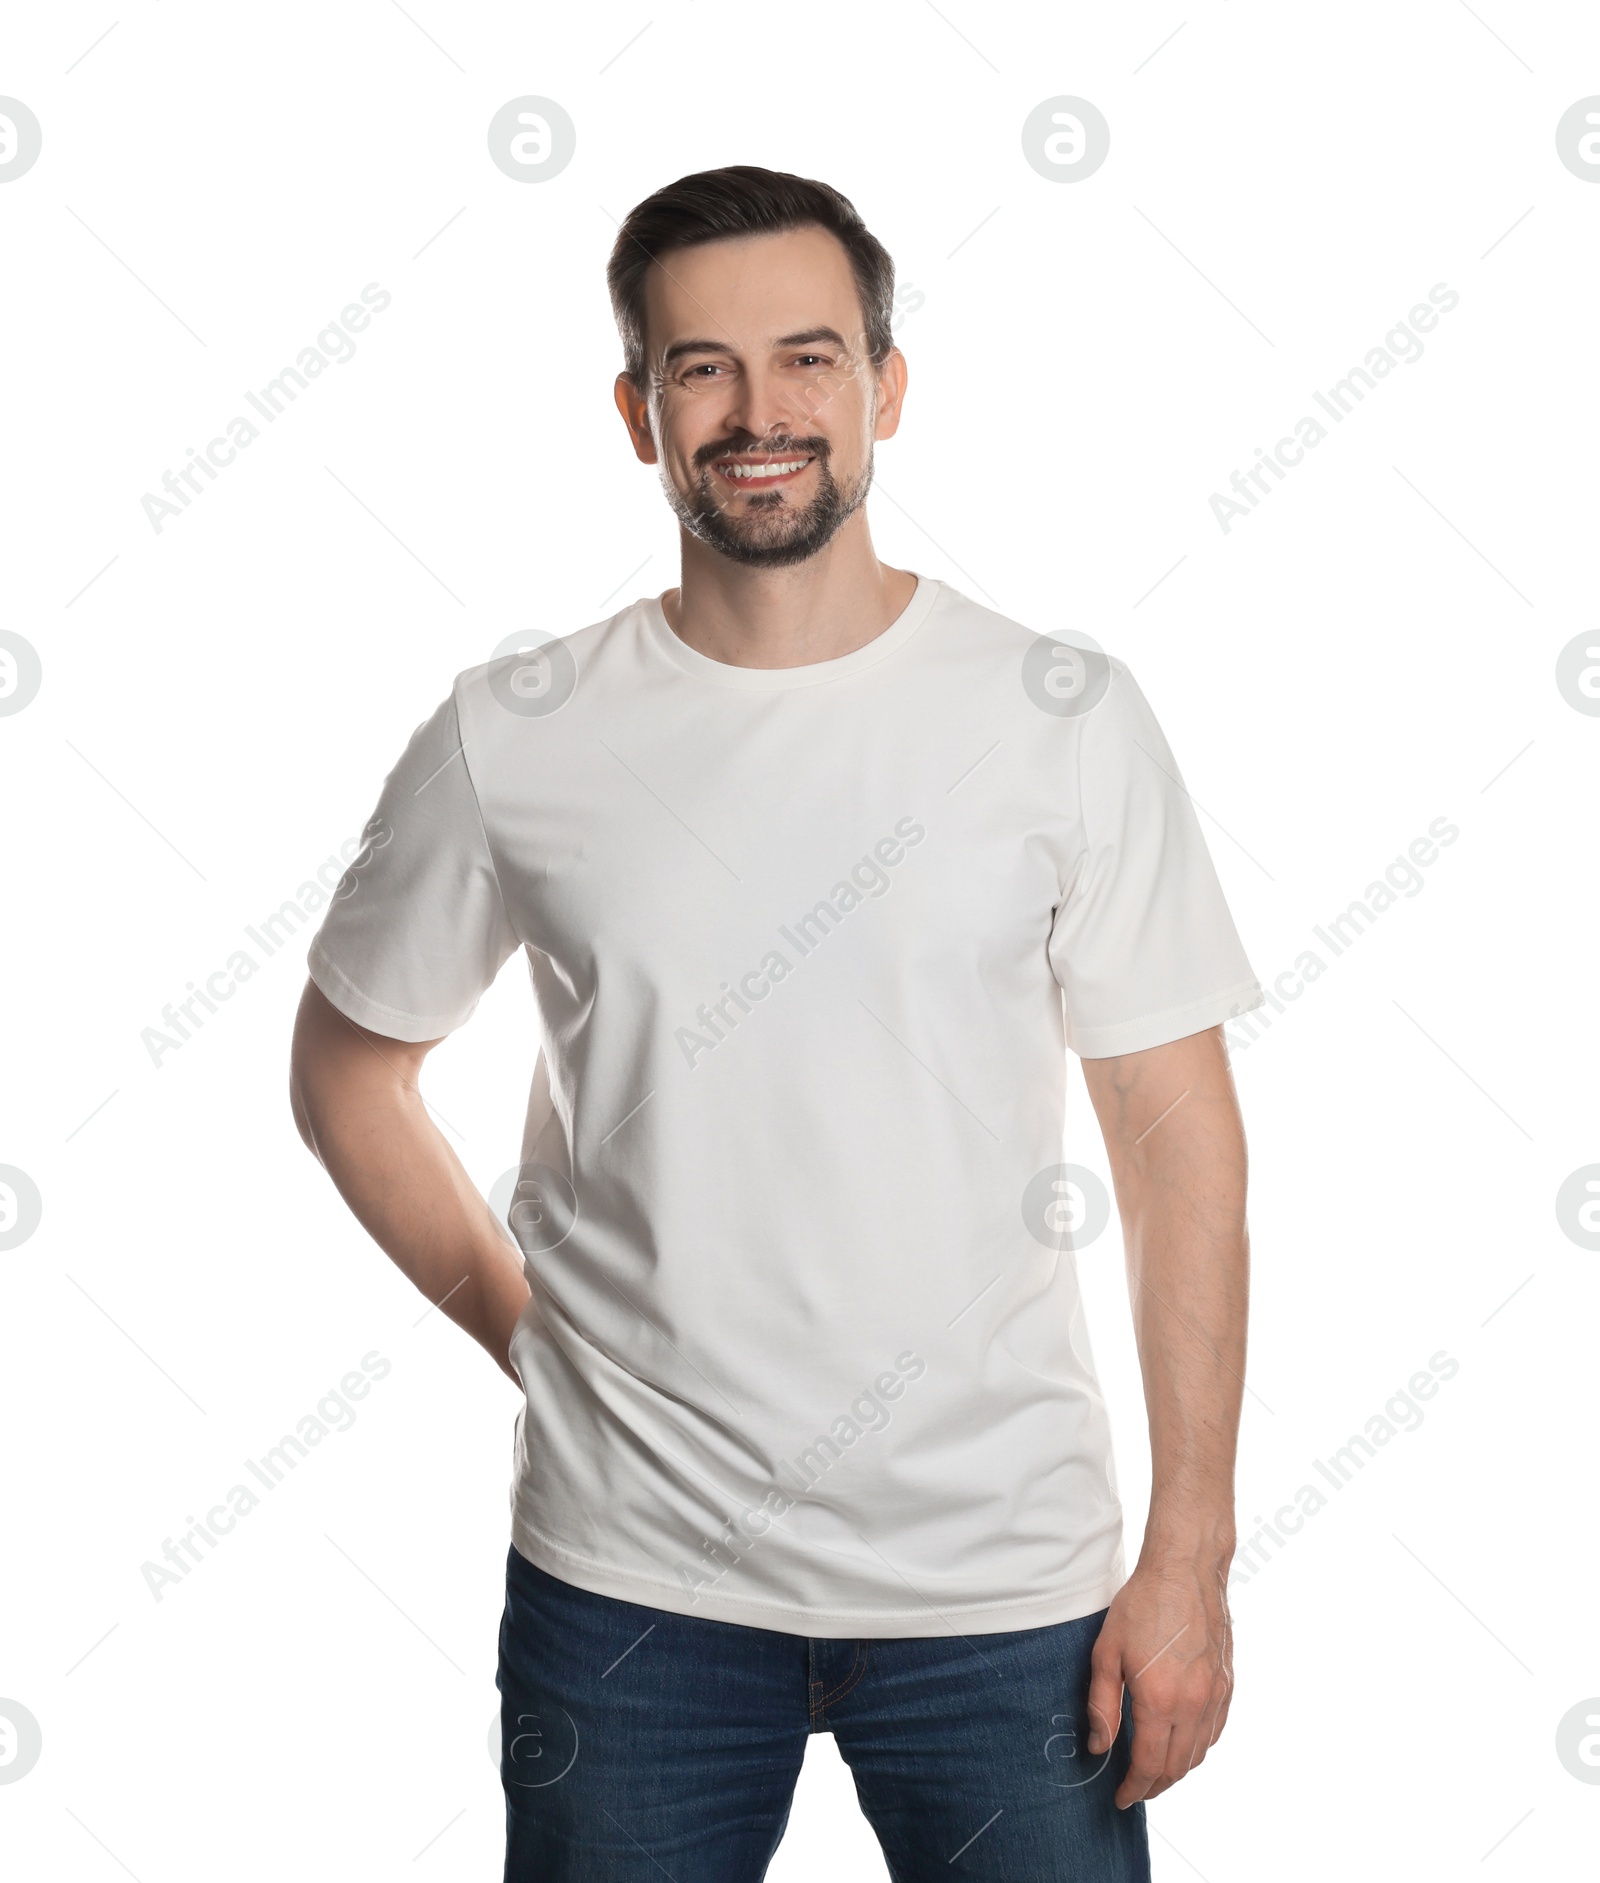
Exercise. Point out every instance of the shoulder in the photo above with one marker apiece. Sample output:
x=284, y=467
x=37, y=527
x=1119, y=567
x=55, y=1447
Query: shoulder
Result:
x=534, y=671
x=987, y=634
x=540, y=691
x=1060, y=671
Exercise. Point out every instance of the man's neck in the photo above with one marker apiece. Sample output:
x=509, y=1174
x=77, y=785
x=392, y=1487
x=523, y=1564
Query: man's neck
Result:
x=819, y=609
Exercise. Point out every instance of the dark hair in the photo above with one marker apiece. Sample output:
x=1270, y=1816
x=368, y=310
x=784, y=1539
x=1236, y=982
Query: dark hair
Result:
x=742, y=199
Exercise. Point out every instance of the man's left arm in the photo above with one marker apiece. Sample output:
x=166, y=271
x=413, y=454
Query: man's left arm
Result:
x=1175, y=1139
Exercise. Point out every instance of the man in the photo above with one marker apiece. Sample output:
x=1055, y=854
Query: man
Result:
x=819, y=868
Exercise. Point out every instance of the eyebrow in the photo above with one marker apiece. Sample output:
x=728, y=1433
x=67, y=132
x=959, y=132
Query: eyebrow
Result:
x=812, y=334
x=681, y=348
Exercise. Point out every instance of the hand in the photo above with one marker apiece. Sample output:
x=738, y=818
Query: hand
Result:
x=1168, y=1639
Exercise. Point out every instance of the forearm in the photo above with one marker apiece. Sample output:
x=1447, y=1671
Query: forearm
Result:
x=1188, y=1284
x=1172, y=1130
x=1178, y=1157
x=359, y=1109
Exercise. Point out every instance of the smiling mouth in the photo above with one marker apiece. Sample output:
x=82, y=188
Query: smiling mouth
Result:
x=762, y=473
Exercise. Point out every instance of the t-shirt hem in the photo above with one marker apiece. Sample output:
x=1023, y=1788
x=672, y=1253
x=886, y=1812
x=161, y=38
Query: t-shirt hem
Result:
x=946, y=1620
x=1159, y=1029
x=373, y=1014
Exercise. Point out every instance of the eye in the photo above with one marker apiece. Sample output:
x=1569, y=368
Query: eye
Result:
x=810, y=359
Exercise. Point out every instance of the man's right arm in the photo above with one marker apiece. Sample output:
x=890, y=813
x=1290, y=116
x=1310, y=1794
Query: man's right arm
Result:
x=358, y=1107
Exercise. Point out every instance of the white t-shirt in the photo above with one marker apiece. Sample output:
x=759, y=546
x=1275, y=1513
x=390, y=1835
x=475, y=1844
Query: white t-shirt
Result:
x=805, y=1349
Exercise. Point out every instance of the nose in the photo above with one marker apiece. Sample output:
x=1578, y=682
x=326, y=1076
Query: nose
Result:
x=763, y=406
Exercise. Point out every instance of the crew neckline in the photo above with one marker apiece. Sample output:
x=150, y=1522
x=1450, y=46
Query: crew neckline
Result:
x=810, y=673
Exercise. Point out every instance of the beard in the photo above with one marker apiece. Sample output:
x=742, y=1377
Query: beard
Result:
x=767, y=532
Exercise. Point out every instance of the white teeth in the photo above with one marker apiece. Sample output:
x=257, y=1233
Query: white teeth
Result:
x=765, y=470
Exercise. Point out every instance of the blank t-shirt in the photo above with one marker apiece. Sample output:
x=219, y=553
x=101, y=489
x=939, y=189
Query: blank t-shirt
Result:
x=804, y=1349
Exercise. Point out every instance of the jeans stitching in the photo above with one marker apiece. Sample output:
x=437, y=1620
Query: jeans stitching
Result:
x=851, y=1680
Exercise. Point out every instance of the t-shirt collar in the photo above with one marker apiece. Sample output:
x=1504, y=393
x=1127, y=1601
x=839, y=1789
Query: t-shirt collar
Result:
x=813, y=673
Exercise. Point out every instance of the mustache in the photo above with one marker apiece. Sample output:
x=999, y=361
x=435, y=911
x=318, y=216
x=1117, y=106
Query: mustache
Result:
x=783, y=445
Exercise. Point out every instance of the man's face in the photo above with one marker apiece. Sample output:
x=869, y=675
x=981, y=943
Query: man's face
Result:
x=762, y=403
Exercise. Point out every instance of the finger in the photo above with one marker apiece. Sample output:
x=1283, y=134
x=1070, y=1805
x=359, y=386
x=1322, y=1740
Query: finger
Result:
x=1208, y=1723
x=1216, y=1714
x=1219, y=1716
x=1191, y=1741
x=1105, y=1701
x=1147, y=1765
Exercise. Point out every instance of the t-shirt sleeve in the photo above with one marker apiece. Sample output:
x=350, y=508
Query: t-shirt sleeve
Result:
x=417, y=928
x=1142, y=942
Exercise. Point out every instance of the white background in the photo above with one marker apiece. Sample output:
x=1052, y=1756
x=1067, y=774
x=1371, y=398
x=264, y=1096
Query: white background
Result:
x=1372, y=648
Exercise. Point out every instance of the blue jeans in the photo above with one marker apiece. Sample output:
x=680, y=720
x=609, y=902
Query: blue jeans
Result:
x=639, y=1745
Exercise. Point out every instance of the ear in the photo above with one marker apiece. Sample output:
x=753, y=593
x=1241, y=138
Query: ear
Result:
x=635, y=410
x=891, y=394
